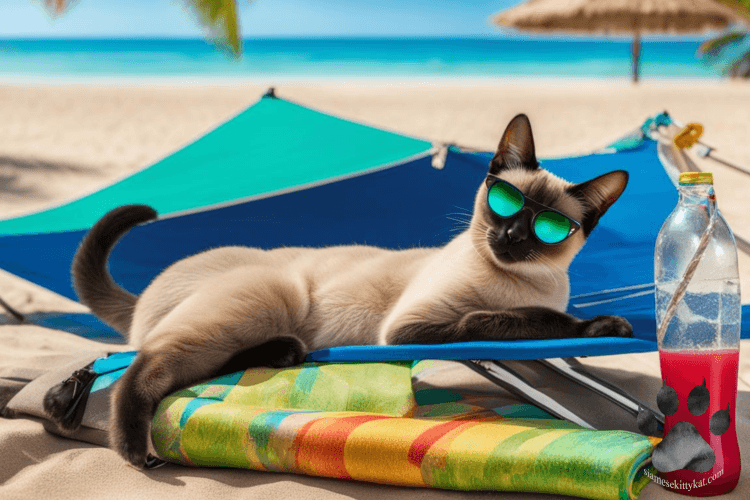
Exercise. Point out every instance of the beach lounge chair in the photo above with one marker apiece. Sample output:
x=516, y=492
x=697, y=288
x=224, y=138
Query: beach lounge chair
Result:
x=279, y=165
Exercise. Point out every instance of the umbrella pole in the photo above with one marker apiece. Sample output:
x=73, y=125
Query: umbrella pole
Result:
x=636, y=55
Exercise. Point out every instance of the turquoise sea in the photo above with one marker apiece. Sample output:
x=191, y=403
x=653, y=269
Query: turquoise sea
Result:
x=417, y=58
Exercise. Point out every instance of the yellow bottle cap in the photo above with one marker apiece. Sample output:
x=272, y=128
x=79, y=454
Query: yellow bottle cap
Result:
x=689, y=178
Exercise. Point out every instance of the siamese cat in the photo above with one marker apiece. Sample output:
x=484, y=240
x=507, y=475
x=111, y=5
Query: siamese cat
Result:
x=223, y=310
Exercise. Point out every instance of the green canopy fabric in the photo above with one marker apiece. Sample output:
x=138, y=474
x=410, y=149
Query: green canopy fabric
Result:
x=271, y=147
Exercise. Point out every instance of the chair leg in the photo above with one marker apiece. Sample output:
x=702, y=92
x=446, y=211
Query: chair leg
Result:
x=519, y=386
x=572, y=369
x=19, y=317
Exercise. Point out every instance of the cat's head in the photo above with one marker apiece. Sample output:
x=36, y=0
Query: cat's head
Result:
x=521, y=210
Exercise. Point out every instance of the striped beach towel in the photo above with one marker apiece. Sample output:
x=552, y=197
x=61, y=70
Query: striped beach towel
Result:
x=367, y=422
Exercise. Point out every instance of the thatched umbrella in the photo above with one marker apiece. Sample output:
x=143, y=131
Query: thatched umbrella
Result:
x=633, y=17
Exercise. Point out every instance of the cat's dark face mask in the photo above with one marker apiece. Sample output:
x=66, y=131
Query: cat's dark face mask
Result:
x=548, y=225
x=531, y=226
x=523, y=225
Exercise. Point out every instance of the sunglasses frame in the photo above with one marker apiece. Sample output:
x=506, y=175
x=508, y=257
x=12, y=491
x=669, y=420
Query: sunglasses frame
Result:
x=535, y=207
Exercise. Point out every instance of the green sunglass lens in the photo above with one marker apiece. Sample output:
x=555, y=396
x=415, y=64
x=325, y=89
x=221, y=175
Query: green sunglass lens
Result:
x=551, y=227
x=504, y=200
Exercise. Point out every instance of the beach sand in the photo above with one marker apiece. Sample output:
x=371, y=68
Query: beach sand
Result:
x=60, y=142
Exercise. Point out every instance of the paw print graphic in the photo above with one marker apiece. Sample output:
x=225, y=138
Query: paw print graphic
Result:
x=683, y=447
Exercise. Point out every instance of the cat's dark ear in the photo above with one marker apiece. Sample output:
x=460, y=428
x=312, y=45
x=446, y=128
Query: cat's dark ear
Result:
x=598, y=195
x=516, y=148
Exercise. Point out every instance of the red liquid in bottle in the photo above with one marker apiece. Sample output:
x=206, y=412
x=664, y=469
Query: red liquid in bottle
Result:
x=683, y=371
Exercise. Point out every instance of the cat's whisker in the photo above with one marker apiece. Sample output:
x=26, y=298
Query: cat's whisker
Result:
x=480, y=254
x=464, y=210
x=453, y=231
x=460, y=226
x=458, y=217
x=481, y=228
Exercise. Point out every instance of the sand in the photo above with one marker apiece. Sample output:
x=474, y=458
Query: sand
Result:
x=60, y=142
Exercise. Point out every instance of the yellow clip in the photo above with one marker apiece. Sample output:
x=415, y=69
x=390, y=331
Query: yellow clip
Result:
x=688, y=136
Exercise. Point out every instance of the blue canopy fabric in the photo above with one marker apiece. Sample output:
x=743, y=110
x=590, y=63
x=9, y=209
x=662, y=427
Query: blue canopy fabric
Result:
x=400, y=205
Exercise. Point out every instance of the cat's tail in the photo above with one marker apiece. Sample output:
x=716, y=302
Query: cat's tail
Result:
x=91, y=279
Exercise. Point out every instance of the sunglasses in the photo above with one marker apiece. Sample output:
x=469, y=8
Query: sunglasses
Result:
x=550, y=226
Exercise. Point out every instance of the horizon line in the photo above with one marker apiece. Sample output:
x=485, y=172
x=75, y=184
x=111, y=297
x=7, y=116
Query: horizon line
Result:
x=499, y=36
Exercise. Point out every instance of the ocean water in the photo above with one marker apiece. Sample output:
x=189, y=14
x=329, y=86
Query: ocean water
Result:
x=413, y=58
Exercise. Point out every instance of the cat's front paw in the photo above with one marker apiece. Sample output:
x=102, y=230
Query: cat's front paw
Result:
x=606, y=326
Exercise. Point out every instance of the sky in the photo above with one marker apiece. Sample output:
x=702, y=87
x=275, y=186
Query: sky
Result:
x=259, y=18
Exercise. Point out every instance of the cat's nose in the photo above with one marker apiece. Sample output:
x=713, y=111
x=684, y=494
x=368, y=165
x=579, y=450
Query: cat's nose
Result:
x=518, y=231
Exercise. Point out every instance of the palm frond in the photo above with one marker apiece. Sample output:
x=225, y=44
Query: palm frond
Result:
x=712, y=48
x=220, y=17
x=728, y=54
x=58, y=7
